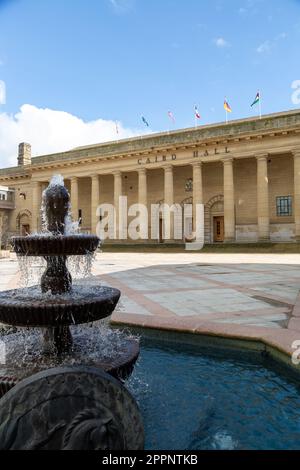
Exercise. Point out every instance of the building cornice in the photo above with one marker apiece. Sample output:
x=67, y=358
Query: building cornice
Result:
x=251, y=129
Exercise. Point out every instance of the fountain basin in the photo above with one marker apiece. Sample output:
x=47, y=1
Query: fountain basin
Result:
x=30, y=307
x=55, y=245
x=109, y=350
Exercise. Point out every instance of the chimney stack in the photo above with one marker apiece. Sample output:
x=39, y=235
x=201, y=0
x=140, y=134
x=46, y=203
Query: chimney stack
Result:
x=24, y=157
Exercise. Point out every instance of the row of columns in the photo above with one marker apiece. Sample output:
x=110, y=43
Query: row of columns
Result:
x=263, y=216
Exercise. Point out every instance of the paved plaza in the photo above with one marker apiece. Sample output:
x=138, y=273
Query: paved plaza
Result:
x=231, y=295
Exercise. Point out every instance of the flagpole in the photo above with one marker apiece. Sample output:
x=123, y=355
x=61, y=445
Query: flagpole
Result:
x=259, y=105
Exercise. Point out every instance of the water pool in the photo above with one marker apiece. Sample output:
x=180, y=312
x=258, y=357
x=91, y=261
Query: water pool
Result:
x=196, y=399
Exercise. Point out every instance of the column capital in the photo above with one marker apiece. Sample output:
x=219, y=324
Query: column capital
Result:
x=168, y=168
x=197, y=164
x=227, y=160
x=262, y=156
x=73, y=178
x=117, y=173
x=95, y=176
x=142, y=170
x=296, y=152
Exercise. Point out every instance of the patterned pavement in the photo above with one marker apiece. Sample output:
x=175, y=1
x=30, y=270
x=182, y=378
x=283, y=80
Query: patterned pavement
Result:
x=240, y=296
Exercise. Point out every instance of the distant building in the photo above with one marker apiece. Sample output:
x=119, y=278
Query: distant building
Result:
x=246, y=173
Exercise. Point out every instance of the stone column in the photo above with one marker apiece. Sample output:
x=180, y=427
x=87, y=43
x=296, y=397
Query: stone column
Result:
x=263, y=216
x=169, y=200
x=36, y=206
x=95, y=199
x=74, y=197
x=142, y=194
x=142, y=174
x=197, y=189
x=117, y=194
x=229, y=215
x=296, y=155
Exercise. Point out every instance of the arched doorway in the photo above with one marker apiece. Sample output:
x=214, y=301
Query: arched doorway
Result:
x=214, y=219
x=23, y=224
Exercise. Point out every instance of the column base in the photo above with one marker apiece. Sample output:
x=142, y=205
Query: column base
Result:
x=229, y=240
x=264, y=239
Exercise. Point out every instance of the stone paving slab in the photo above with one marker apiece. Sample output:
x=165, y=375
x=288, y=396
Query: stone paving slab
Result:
x=240, y=296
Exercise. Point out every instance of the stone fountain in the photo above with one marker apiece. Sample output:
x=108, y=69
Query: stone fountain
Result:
x=71, y=394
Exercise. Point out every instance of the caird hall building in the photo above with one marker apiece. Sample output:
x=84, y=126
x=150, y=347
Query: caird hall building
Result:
x=246, y=174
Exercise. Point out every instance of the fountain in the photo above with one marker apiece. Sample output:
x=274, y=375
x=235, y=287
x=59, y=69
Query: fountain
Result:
x=70, y=388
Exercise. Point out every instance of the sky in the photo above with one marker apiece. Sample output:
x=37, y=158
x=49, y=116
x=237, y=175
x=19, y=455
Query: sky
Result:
x=71, y=69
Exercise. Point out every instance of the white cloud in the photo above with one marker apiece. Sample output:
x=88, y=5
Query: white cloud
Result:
x=2, y=92
x=221, y=42
x=267, y=46
x=264, y=47
x=282, y=36
x=121, y=6
x=50, y=131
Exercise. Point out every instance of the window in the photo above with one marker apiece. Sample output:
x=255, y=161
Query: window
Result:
x=80, y=216
x=284, y=205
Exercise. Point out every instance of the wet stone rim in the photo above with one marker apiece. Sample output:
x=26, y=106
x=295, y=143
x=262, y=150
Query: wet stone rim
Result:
x=55, y=245
x=19, y=311
x=118, y=367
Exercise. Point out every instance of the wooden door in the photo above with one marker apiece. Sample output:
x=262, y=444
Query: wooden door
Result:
x=160, y=228
x=218, y=229
x=25, y=230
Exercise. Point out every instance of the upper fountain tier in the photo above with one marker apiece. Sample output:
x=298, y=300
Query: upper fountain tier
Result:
x=55, y=245
x=57, y=238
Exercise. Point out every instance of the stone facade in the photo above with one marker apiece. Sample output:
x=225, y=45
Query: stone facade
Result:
x=239, y=171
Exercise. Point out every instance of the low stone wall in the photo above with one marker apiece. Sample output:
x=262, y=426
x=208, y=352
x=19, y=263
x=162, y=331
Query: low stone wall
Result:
x=246, y=233
x=282, y=232
x=278, y=233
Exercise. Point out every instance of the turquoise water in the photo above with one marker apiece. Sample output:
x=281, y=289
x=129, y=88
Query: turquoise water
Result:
x=203, y=399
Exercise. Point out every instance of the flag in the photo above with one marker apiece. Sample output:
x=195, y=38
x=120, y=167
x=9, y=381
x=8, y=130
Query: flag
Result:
x=257, y=99
x=171, y=116
x=227, y=107
x=145, y=122
x=197, y=114
x=117, y=127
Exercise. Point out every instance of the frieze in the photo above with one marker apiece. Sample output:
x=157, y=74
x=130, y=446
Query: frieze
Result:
x=196, y=154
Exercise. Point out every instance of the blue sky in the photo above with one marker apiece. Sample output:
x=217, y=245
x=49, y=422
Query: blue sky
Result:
x=118, y=59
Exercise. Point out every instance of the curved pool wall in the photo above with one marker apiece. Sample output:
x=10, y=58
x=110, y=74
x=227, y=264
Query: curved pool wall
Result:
x=198, y=394
x=204, y=340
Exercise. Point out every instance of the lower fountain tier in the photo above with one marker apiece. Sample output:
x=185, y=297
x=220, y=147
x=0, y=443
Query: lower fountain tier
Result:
x=119, y=363
x=30, y=307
